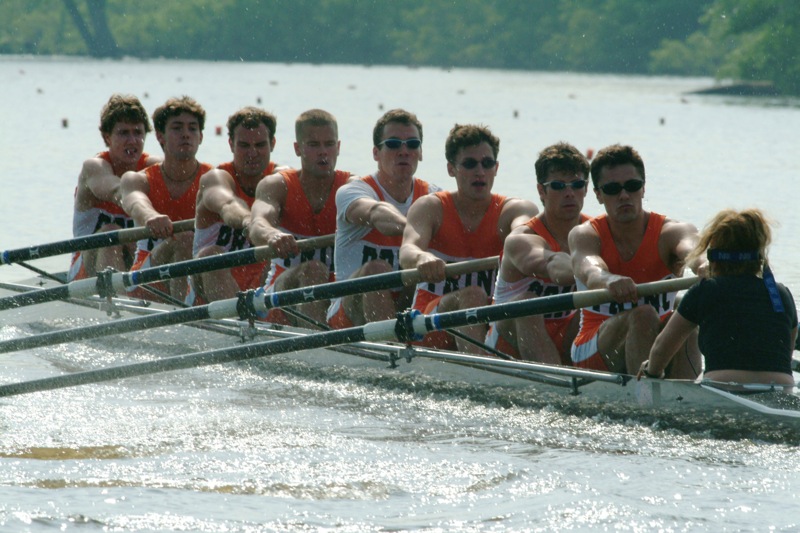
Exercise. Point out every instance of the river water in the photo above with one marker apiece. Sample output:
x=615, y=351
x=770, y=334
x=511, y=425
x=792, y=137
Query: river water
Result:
x=254, y=448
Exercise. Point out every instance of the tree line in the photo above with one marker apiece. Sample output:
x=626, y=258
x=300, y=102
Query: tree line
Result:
x=726, y=39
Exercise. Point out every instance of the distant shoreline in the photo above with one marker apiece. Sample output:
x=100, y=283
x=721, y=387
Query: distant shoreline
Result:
x=742, y=88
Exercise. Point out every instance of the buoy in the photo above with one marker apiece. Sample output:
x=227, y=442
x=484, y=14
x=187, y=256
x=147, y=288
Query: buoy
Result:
x=218, y=129
x=258, y=100
x=589, y=153
x=661, y=121
x=516, y=113
x=380, y=107
x=64, y=123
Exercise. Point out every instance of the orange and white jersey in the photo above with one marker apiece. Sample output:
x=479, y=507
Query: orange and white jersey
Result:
x=357, y=244
x=103, y=212
x=645, y=266
x=299, y=219
x=505, y=291
x=453, y=243
x=219, y=234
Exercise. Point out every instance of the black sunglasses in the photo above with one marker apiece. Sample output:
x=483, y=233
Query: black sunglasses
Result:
x=615, y=188
x=470, y=163
x=395, y=144
x=561, y=185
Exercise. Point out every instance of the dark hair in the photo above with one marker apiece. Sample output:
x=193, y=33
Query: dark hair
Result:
x=123, y=108
x=395, y=115
x=174, y=107
x=463, y=135
x=251, y=117
x=560, y=157
x=615, y=155
x=314, y=117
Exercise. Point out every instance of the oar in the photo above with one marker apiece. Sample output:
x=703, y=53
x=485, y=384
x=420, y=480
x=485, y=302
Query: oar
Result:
x=401, y=329
x=120, y=281
x=233, y=306
x=87, y=242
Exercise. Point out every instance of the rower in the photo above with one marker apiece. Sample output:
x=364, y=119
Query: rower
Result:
x=224, y=199
x=536, y=261
x=162, y=194
x=617, y=250
x=123, y=125
x=293, y=204
x=451, y=226
x=371, y=217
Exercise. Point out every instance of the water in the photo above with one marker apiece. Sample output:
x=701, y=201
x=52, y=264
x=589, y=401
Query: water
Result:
x=277, y=446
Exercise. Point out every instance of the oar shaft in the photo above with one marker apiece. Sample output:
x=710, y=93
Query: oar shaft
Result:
x=34, y=297
x=214, y=357
x=218, y=262
x=114, y=327
x=87, y=242
x=535, y=306
x=388, y=280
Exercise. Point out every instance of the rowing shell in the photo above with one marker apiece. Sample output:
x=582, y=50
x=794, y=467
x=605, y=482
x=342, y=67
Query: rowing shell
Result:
x=685, y=405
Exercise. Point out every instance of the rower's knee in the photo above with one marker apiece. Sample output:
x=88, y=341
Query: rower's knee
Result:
x=312, y=273
x=374, y=267
x=472, y=296
x=644, y=318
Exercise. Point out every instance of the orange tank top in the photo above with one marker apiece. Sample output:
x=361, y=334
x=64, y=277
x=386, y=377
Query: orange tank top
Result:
x=453, y=243
x=231, y=169
x=453, y=240
x=645, y=266
x=176, y=209
x=297, y=215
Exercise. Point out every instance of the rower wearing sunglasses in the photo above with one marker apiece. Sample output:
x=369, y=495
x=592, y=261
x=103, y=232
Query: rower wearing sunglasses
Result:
x=454, y=226
x=371, y=216
x=615, y=251
x=536, y=261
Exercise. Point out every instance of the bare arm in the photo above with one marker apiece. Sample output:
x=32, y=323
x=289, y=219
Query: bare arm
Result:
x=266, y=214
x=136, y=202
x=382, y=216
x=528, y=254
x=592, y=270
x=677, y=240
x=217, y=196
x=667, y=344
x=424, y=219
x=516, y=212
x=97, y=175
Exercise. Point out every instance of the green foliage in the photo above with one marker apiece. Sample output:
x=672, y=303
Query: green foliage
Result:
x=748, y=39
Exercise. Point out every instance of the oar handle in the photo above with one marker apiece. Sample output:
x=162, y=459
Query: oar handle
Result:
x=264, y=253
x=141, y=232
x=590, y=298
x=87, y=242
x=412, y=275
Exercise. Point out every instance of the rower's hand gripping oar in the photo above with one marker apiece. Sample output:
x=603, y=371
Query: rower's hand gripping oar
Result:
x=400, y=329
x=245, y=306
x=87, y=242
